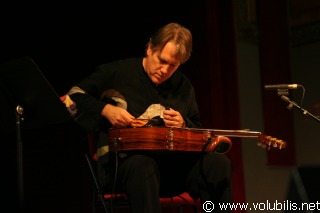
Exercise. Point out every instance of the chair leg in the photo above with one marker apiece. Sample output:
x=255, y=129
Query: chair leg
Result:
x=97, y=188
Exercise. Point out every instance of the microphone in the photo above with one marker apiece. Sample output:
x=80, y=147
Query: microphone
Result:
x=282, y=86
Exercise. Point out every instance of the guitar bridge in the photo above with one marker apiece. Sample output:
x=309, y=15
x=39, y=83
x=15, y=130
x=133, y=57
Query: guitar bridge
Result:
x=169, y=145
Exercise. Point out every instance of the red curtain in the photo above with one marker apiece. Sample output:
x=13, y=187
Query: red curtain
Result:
x=275, y=69
x=215, y=68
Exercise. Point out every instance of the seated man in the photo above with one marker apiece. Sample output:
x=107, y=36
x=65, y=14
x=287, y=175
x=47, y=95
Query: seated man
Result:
x=125, y=92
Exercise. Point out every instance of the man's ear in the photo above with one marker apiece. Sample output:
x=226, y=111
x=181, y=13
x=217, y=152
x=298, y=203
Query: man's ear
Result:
x=149, y=50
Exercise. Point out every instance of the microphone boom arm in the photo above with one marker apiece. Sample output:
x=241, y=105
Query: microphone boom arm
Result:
x=294, y=104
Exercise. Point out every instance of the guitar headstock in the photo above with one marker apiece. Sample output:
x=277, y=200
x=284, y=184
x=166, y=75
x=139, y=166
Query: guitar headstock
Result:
x=266, y=141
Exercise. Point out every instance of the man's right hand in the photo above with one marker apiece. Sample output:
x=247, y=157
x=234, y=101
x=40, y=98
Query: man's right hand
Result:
x=117, y=116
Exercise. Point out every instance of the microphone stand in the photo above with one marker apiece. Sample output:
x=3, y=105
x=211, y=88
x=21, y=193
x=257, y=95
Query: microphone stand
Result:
x=283, y=92
x=19, y=119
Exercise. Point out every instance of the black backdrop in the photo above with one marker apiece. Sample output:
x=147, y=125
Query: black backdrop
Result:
x=67, y=41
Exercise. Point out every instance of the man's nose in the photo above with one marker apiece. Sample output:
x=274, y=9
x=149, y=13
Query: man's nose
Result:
x=164, y=69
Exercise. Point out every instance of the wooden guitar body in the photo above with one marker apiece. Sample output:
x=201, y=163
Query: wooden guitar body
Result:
x=180, y=139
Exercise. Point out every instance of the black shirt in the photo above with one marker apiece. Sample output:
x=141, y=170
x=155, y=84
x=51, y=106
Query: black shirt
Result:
x=130, y=80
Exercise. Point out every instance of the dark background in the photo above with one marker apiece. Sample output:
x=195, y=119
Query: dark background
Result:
x=67, y=41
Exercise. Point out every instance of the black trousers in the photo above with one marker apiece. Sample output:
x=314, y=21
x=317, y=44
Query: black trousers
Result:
x=145, y=177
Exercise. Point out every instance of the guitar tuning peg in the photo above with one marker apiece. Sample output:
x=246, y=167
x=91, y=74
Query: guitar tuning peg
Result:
x=275, y=145
x=268, y=141
x=263, y=145
x=280, y=146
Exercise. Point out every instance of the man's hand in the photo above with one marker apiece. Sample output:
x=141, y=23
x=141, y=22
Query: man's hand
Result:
x=117, y=116
x=173, y=118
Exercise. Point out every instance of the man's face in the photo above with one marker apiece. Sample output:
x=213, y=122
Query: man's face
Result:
x=161, y=65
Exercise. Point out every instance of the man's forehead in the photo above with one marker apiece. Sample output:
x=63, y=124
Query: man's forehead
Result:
x=169, y=54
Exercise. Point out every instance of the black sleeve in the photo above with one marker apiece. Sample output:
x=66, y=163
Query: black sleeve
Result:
x=88, y=111
x=89, y=103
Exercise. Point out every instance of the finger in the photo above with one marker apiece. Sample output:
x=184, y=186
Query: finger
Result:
x=170, y=123
x=138, y=123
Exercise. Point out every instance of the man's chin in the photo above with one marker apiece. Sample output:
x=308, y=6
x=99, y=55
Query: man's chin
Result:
x=157, y=81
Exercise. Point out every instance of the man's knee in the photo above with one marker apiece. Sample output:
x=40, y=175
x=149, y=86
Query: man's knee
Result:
x=142, y=165
x=218, y=164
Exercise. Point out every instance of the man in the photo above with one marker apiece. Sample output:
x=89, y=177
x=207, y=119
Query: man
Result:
x=127, y=92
